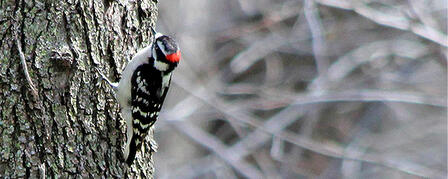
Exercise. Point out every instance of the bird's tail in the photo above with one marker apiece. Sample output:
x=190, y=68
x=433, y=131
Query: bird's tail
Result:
x=133, y=145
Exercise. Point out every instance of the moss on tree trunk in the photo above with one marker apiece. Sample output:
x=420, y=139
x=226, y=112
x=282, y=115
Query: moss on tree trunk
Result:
x=73, y=127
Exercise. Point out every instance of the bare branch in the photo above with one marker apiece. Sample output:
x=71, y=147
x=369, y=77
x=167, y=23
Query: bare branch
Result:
x=396, y=20
x=360, y=96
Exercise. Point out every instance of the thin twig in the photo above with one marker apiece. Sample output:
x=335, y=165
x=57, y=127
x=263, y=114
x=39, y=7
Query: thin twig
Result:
x=337, y=152
x=359, y=96
x=402, y=22
x=25, y=69
x=318, y=41
x=215, y=145
x=279, y=98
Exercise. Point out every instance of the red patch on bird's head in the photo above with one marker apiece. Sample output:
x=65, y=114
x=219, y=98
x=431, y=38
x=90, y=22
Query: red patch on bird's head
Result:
x=174, y=57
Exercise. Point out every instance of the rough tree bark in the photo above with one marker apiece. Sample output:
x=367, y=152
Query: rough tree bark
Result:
x=72, y=127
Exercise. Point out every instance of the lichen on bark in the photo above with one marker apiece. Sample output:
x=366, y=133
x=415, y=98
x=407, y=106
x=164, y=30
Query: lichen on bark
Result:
x=73, y=128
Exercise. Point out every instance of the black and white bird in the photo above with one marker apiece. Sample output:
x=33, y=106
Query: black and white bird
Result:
x=142, y=89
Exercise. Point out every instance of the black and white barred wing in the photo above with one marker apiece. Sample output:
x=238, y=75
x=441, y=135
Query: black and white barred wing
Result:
x=147, y=94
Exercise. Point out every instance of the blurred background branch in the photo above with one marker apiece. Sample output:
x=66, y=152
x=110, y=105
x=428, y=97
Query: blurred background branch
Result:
x=313, y=88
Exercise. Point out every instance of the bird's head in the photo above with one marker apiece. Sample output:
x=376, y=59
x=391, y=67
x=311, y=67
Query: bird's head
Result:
x=165, y=51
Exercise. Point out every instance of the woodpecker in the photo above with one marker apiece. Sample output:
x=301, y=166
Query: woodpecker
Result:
x=143, y=87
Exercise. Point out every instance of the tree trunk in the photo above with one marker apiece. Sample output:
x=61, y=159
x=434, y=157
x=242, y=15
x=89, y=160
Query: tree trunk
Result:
x=72, y=126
